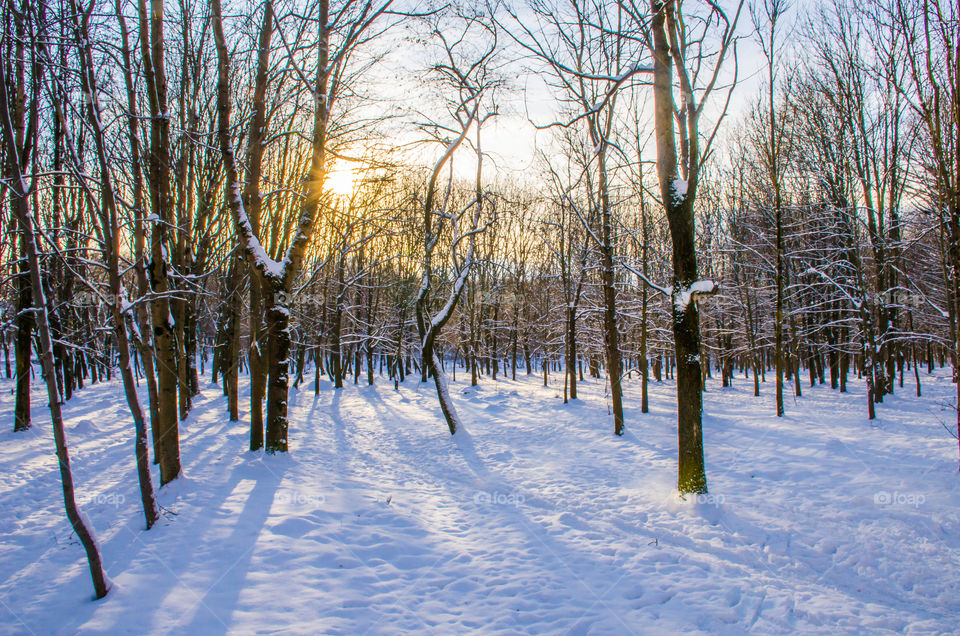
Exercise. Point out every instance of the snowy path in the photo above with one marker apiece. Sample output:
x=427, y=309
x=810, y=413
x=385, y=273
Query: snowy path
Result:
x=540, y=522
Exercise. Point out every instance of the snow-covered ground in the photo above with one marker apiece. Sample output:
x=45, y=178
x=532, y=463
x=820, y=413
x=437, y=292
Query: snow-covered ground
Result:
x=540, y=522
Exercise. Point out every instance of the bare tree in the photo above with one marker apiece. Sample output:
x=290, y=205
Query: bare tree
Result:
x=589, y=48
x=680, y=157
x=471, y=83
x=767, y=19
x=109, y=230
x=161, y=203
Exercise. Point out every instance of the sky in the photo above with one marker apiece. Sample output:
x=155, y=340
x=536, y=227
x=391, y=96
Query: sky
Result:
x=511, y=141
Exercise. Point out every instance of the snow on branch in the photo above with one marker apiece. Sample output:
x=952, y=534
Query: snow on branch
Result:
x=680, y=188
x=857, y=304
x=663, y=290
x=696, y=291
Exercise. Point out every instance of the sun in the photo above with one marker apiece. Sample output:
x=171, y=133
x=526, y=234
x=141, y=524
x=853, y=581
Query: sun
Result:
x=342, y=180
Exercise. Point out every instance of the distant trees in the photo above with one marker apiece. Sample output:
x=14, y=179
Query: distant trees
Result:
x=590, y=55
x=927, y=33
x=338, y=35
x=848, y=169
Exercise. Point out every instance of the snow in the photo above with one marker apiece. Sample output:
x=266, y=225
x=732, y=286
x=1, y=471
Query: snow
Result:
x=702, y=287
x=636, y=68
x=693, y=292
x=125, y=303
x=271, y=268
x=538, y=521
x=680, y=187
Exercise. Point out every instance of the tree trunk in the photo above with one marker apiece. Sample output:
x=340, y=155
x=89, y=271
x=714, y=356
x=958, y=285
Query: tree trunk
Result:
x=278, y=339
x=22, y=343
x=164, y=341
x=571, y=362
x=678, y=198
x=19, y=203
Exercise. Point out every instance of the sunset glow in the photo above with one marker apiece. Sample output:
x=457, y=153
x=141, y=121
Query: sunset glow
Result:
x=342, y=180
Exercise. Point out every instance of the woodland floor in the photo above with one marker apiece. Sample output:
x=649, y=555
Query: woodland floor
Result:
x=541, y=521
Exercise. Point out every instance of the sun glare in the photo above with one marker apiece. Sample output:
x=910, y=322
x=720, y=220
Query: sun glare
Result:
x=342, y=180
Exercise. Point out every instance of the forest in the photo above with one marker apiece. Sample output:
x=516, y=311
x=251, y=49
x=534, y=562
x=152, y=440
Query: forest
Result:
x=632, y=216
